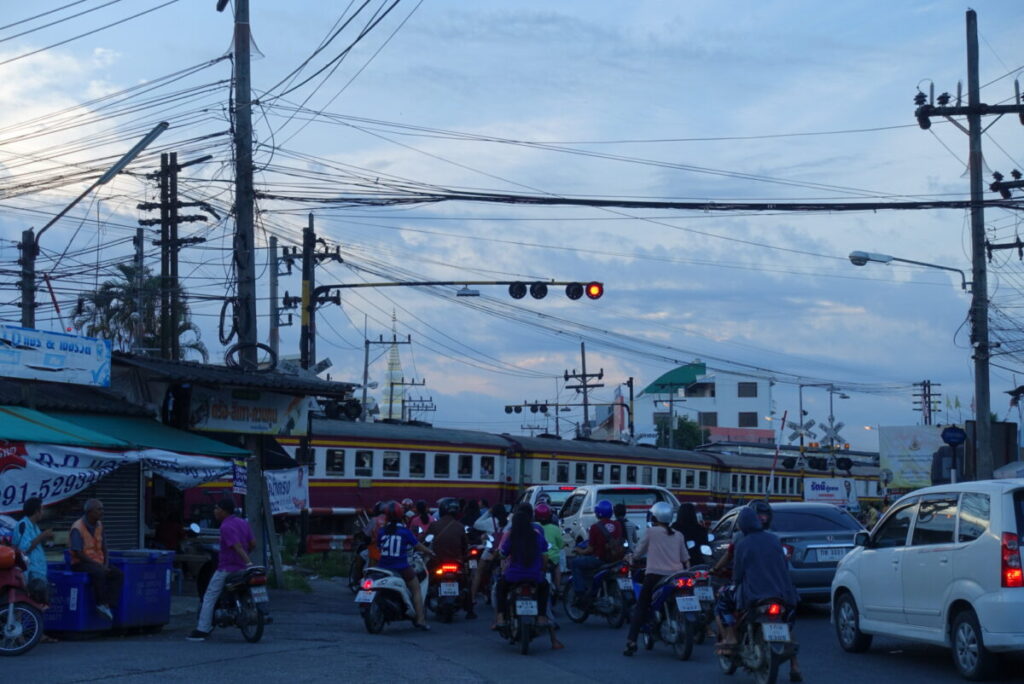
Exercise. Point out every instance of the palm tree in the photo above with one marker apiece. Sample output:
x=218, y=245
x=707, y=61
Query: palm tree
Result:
x=112, y=311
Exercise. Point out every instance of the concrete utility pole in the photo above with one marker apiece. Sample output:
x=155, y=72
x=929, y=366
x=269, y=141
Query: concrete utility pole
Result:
x=275, y=330
x=584, y=386
x=307, y=329
x=140, y=277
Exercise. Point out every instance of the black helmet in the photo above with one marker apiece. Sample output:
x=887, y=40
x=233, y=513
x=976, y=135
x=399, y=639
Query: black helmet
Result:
x=448, y=506
x=764, y=512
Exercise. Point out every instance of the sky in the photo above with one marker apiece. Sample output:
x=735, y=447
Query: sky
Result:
x=696, y=101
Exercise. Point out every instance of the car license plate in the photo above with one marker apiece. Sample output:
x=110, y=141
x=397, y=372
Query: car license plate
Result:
x=775, y=631
x=472, y=564
x=687, y=604
x=625, y=584
x=449, y=589
x=259, y=594
x=364, y=597
x=526, y=607
x=832, y=554
x=704, y=593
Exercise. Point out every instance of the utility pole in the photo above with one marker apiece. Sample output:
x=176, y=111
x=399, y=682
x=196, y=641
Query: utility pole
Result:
x=584, y=386
x=307, y=322
x=275, y=311
x=391, y=394
x=366, y=366
x=926, y=399
x=171, y=332
x=140, y=267
x=632, y=430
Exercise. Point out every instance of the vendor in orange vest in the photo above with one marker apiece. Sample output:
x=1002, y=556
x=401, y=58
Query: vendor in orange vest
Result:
x=89, y=554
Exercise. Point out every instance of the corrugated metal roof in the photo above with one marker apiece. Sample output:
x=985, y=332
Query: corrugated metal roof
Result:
x=145, y=432
x=59, y=396
x=676, y=379
x=19, y=424
x=222, y=376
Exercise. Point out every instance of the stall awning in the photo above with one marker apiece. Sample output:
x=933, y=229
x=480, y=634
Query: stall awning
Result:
x=147, y=433
x=18, y=424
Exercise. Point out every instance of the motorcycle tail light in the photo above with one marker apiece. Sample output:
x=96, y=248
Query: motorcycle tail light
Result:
x=474, y=552
x=367, y=585
x=774, y=609
x=624, y=570
x=685, y=582
x=258, y=580
x=700, y=574
x=525, y=590
x=449, y=567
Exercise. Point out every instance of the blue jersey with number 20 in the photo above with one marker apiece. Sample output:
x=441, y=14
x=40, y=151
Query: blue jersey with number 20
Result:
x=394, y=547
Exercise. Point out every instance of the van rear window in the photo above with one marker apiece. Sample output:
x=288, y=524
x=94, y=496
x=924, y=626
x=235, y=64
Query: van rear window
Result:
x=1018, y=511
x=632, y=497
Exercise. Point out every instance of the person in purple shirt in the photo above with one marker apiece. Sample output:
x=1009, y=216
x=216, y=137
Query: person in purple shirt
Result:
x=236, y=541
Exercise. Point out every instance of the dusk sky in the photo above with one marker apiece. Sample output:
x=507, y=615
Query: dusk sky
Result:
x=696, y=101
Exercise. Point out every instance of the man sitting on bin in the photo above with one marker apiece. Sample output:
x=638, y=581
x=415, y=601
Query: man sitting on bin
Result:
x=89, y=555
x=236, y=541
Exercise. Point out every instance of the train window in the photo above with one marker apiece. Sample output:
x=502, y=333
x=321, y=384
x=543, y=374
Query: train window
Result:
x=645, y=475
x=735, y=483
x=417, y=465
x=689, y=479
x=392, y=464
x=614, y=474
x=599, y=473
x=486, y=467
x=465, y=466
x=336, y=462
x=630, y=474
x=775, y=485
x=702, y=479
x=545, y=471
x=562, y=473
x=581, y=473
x=364, y=464
x=442, y=467
x=662, y=476
x=677, y=478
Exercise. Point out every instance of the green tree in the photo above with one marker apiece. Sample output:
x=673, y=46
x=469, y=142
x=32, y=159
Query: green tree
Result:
x=112, y=311
x=688, y=434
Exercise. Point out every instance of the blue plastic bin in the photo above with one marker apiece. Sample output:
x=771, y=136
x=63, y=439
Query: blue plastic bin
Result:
x=72, y=608
x=146, y=592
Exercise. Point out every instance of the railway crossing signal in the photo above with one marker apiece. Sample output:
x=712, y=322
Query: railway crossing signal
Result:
x=801, y=429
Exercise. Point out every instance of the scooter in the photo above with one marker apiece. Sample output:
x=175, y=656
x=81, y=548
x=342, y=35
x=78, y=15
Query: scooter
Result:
x=240, y=601
x=611, y=594
x=448, y=592
x=673, y=615
x=521, y=627
x=21, y=618
x=764, y=642
x=384, y=596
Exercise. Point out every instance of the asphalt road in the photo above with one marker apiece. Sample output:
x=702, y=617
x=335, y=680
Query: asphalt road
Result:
x=319, y=637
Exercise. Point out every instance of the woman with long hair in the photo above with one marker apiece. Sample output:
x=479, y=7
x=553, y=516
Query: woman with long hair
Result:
x=421, y=519
x=524, y=547
x=687, y=523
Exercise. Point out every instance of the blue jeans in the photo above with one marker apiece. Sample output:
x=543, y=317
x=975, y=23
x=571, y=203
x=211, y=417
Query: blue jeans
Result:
x=583, y=568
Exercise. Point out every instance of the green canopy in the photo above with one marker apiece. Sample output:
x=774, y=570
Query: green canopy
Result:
x=146, y=432
x=18, y=424
x=676, y=379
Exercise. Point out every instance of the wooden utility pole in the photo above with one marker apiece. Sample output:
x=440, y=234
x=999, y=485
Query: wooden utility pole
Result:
x=584, y=386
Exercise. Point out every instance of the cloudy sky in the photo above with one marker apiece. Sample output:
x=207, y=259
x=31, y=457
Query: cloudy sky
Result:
x=696, y=101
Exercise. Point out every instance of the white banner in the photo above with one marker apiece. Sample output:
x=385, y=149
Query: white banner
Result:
x=841, y=491
x=288, y=490
x=54, y=473
x=58, y=357
x=249, y=411
x=905, y=455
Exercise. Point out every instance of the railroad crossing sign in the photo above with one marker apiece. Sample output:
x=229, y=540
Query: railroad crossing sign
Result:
x=801, y=429
x=830, y=432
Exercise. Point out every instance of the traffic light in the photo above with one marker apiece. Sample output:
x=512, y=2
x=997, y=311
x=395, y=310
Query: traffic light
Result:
x=517, y=290
x=595, y=290
x=789, y=463
x=538, y=290
x=844, y=463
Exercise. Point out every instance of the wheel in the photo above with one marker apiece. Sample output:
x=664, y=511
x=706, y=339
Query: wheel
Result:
x=26, y=632
x=250, y=620
x=972, y=659
x=683, y=647
x=373, y=617
x=524, y=637
x=355, y=574
x=617, y=617
x=574, y=612
x=648, y=641
x=768, y=673
x=726, y=664
x=851, y=639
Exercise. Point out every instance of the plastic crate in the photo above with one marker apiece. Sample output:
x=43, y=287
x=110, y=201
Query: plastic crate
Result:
x=72, y=608
x=146, y=591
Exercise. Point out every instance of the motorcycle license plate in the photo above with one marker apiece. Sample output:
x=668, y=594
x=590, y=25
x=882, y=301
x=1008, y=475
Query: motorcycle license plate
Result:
x=704, y=593
x=448, y=589
x=625, y=584
x=687, y=604
x=472, y=564
x=259, y=594
x=526, y=607
x=364, y=597
x=775, y=631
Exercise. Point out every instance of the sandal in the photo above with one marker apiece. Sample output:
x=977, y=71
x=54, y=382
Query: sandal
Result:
x=630, y=649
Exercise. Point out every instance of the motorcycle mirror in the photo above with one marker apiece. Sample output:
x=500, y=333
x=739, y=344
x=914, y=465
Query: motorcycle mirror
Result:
x=705, y=549
x=195, y=528
x=711, y=537
x=429, y=538
x=468, y=529
x=690, y=544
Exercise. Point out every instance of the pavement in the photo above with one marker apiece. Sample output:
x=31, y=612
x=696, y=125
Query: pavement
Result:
x=319, y=637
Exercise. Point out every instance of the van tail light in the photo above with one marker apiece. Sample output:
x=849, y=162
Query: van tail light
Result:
x=1012, y=574
x=787, y=549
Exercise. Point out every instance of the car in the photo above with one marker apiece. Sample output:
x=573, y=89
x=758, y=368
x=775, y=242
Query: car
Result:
x=814, y=536
x=553, y=495
x=577, y=513
x=943, y=566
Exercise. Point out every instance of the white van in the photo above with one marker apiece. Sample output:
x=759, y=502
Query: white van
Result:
x=943, y=567
x=577, y=514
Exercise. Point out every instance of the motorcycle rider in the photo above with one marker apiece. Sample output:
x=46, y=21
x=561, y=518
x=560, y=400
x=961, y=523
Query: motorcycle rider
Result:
x=450, y=541
x=492, y=524
x=666, y=553
x=687, y=523
x=555, y=540
x=395, y=541
x=597, y=552
x=236, y=541
x=632, y=532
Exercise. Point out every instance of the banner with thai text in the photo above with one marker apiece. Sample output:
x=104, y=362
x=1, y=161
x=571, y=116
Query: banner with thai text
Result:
x=57, y=357
x=841, y=491
x=905, y=455
x=248, y=411
x=288, y=490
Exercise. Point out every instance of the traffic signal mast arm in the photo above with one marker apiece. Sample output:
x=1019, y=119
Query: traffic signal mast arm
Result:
x=594, y=290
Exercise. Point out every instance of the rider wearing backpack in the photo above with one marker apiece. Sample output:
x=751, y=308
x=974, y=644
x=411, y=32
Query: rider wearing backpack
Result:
x=605, y=544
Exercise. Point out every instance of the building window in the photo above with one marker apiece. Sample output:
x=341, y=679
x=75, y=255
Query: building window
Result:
x=689, y=479
x=746, y=390
x=599, y=473
x=662, y=477
x=614, y=474
x=562, y=473
x=747, y=419
x=707, y=419
x=336, y=462
x=442, y=465
x=417, y=465
x=465, y=467
x=702, y=479
x=677, y=478
x=364, y=464
x=486, y=467
x=545, y=471
x=630, y=474
x=700, y=389
x=581, y=473
x=392, y=464
x=645, y=475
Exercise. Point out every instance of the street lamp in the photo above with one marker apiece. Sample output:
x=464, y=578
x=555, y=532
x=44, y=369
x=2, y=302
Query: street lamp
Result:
x=858, y=258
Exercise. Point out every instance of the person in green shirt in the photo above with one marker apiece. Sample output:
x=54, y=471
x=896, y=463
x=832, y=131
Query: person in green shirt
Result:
x=556, y=542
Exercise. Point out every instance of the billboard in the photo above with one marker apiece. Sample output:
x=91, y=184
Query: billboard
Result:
x=30, y=354
x=905, y=455
x=841, y=491
x=248, y=411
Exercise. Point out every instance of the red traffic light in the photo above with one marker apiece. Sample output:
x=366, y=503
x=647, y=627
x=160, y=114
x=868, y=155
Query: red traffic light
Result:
x=595, y=290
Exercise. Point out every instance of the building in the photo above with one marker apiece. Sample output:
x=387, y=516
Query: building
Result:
x=730, y=406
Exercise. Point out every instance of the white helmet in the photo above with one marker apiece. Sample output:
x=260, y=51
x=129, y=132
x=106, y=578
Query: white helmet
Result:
x=662, y=512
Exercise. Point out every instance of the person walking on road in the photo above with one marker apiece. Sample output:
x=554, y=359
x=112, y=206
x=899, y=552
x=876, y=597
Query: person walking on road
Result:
x=88, y=550
x=236, y=542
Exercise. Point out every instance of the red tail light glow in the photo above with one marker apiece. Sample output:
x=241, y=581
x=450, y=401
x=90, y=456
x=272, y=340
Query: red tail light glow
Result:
x=257, y=580
x=624, y=570
x=685, y=582
x=787, y=550
x=774, y=609
x=447, y=568
x=525, y=590
x=474, y=552
x=701, y=575
x=367, y=585
x=1012, y=574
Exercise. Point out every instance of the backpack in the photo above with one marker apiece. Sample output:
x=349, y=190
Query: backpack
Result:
x=614, y=547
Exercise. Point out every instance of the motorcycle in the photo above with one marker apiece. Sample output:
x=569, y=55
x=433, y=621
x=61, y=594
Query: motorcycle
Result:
x=704, y=591
x=21, y=618
x=448, y=593
x=764, y=642
x=521, y=627
x=673, y=615
x=611, y=594
x=239, y=604
x=384, y=596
